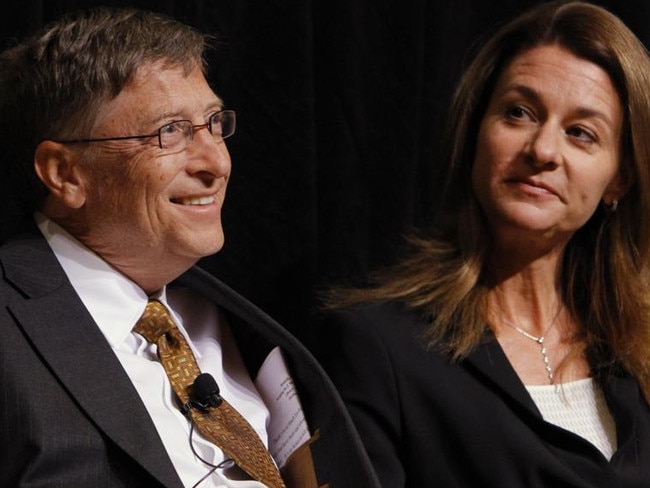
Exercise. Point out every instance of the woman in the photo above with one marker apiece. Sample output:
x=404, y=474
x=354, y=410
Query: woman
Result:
x=512, y=348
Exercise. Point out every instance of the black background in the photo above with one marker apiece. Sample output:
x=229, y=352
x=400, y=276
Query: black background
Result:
x=339, y=105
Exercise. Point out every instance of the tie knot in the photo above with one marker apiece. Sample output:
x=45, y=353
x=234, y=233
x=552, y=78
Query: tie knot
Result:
x=155, y=322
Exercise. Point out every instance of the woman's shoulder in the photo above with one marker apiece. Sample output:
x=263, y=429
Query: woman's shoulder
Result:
x=378, y=315
x=382, y=343
x=390, y=323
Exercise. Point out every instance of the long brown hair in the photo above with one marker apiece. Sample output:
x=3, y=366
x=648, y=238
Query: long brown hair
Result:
x=605, y=284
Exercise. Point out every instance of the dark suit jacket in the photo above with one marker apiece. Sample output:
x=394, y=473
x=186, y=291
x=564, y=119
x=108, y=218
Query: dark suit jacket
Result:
x=428, y=423
x=69, y=415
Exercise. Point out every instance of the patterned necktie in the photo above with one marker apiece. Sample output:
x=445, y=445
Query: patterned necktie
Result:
x=222, y=424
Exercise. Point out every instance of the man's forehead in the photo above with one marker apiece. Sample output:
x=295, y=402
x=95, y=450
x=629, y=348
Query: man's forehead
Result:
x=158, y=93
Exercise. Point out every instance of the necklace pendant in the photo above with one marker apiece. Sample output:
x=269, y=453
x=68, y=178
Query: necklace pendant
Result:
x=539, y=340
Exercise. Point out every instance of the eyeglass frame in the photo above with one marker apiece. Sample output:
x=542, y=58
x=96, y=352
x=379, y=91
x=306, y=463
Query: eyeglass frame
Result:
x=158, y=133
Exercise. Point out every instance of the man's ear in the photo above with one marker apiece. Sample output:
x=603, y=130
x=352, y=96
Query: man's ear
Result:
x=57, y=167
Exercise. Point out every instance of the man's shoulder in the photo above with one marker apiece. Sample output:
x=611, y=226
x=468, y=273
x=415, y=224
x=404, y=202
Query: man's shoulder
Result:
x=28, y=264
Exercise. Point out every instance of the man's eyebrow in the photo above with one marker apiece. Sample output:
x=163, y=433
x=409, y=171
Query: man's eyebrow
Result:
x=215, y=106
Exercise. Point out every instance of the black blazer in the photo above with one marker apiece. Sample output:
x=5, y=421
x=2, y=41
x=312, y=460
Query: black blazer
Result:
x=428, y=423
x=69, y=415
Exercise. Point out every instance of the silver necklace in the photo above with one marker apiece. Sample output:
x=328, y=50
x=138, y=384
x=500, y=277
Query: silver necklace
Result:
x=539, y=340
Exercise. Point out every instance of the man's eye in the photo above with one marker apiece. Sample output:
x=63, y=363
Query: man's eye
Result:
x=169, y=129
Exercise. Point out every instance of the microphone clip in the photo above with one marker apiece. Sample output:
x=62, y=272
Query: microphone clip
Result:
x=205, y=394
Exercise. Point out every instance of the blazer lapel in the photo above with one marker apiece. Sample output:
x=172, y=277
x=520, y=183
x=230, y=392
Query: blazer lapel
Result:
x=489, y=361
x=628, y=408
x=52, y=315
x=250, y=326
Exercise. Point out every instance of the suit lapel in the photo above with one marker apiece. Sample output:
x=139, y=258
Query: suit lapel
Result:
x=51, y=314
x=254, y=330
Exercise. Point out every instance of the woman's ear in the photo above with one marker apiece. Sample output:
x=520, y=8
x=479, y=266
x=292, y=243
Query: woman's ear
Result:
x=617, y=188
x=57, y=167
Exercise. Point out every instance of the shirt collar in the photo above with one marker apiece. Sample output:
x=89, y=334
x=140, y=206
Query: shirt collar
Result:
x=114, y=301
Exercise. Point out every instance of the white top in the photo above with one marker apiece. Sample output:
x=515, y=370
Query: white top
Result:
x=116, y=303
x=580, y=407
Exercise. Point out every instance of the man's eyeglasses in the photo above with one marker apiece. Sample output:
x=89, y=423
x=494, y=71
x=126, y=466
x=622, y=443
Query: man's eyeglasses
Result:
x=177, y=135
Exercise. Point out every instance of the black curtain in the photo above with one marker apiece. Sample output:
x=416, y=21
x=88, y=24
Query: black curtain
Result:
x=340, y=104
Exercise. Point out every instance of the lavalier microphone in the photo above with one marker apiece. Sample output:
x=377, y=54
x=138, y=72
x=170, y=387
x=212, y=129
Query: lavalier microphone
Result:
x=204, y=394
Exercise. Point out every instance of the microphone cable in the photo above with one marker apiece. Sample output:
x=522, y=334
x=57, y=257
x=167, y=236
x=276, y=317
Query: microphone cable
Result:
x=205, y=394
x=225, y=464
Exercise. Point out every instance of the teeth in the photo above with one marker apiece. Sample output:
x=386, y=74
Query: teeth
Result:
x=196, y=201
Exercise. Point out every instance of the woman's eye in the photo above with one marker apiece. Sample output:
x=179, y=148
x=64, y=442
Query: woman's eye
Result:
x=517, y=112
x=581, y=134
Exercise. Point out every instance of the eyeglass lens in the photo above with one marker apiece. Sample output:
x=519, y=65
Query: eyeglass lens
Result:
x=178, y=135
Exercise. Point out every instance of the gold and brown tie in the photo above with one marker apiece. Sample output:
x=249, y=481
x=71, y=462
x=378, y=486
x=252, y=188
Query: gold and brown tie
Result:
x=223, y=425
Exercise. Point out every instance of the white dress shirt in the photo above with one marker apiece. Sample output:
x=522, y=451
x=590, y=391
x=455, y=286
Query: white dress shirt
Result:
x=116, y=303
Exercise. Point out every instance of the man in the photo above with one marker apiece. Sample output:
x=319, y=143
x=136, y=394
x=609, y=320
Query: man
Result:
x=113, y=148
